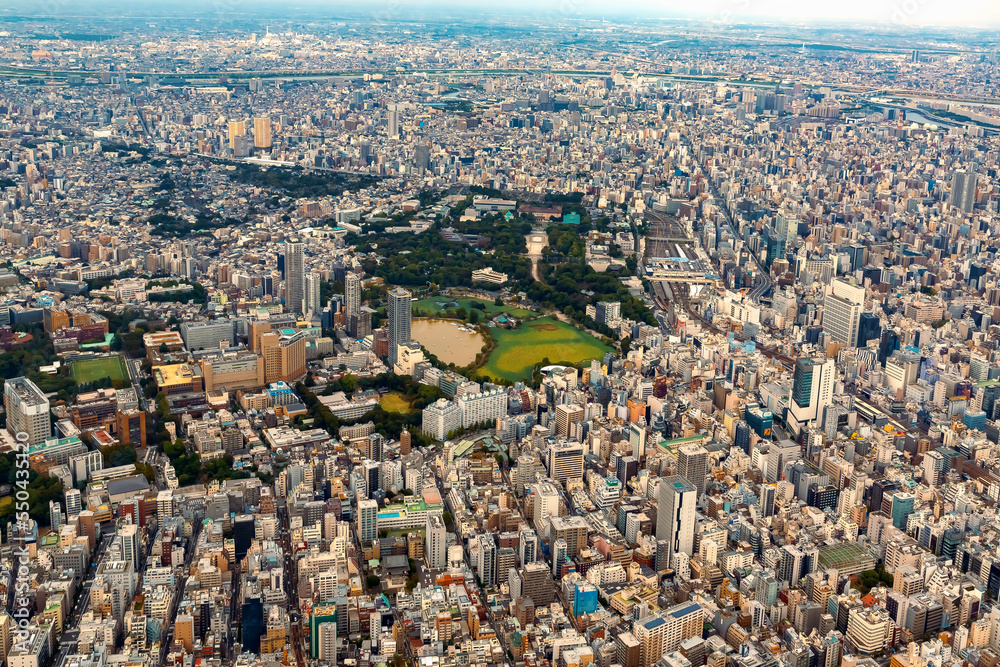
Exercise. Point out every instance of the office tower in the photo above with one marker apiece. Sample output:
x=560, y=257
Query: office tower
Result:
x=312, y=301
x=27, y=411
x=352, y=294
x=437, y=544
x=56, y=519
x=243, y=534
x=692, y=465
x=901, y=509
x=400, y=315
x=252, y=618
x=768, y=492
x=237, y=128
x=741, y=436
x=935, y=467
x=812, y=391
x=392, y=121
x=262, y=132
x=566, y=461
x=422, y=156
x=566, y=416
x=370, y=470
x=129, y=537
x=963, y=190
x=842, y=312
x=869, y=328
x=404, y=442
x=486, y=560
x=527, y=547
x=367, y=521
x=558, y=557
x=676, y=501
x=294, y=276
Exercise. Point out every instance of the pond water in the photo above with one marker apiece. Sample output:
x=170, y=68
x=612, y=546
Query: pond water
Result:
x=447, y=341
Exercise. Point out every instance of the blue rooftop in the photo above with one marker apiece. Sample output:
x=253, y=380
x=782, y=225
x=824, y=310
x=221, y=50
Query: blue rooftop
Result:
x=653, y=623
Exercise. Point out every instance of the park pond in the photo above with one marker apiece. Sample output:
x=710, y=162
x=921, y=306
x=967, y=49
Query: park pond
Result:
x=448, y=340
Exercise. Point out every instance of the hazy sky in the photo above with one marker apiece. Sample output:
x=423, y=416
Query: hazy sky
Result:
x=876, y=13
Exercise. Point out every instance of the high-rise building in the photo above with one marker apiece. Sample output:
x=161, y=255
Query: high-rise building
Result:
x=692, y=465
x=741, y=436
x=74, y=502
x=768, y=492
x=367, y=521
x=565, y=461
x=963, y=190
x=392, y=121
x=812, y=391
x=312, y=300
x=422, y=157
x=129, y=537
x=935, y=466
x=842, y=312
x=27, y=411
x=252, y=617
x=262, y=132
x=676, y=502
x=486, y=560
x=400, y=315
x=244, y=531
x=404, y=442
x=237, y=128
x=295, y=276
x=437, y=544
x=352, y=294
x=572, y=530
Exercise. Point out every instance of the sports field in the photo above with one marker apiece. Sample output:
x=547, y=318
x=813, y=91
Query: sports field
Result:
x=438, y=304
x=394, y=402
x=89, y=370
x=518, y=350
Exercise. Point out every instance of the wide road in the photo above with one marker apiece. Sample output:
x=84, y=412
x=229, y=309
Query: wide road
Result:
x=71, y=631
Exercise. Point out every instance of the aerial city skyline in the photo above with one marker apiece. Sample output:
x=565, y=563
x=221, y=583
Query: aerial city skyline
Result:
x=531, y=335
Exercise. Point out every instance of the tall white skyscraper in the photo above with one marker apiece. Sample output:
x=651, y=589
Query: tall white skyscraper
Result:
x=392, y=121
x=352, y=294
x=676, y=509
x=842, y=312
x=437, y=544
x=963, y=190
x=812, y=391
x=294, y=276
x=129, y=537
x=400, y=316
x=312, y=302
x=27, y=410
x=367, y=521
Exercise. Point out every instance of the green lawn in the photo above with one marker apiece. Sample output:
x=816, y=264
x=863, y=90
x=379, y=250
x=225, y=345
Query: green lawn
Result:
x=438, y=304
x=394, y=402
x=518, y=350
x=89, y=370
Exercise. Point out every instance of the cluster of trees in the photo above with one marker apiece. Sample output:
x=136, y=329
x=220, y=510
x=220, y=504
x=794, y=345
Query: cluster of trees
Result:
x=872, y=578
x=414, y=260
x=165, y=224
x=566, y=240
x=295, y=182
x=24, y=362
x=566, y=285
x=41, y=490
